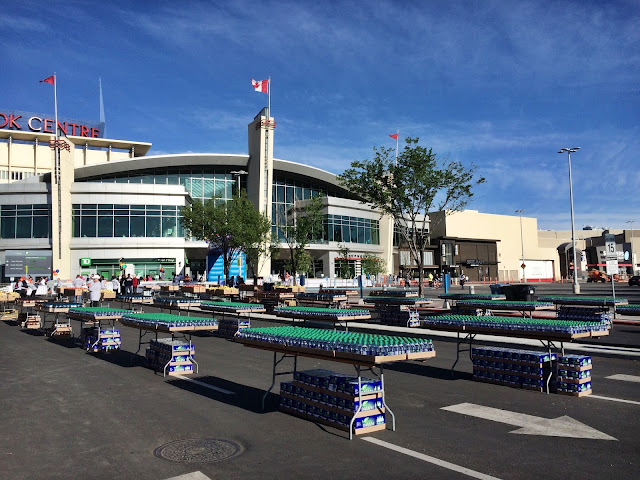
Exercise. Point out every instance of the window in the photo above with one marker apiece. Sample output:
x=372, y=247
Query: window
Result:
x=25, y=221
x=108, y=220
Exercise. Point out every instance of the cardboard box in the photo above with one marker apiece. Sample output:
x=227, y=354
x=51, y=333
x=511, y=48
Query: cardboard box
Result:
x=194, y=288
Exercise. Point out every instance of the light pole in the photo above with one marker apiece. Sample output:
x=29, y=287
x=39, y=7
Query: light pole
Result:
x=633, y=262
x=237, y=173
x=524, y=277
x=576, y=286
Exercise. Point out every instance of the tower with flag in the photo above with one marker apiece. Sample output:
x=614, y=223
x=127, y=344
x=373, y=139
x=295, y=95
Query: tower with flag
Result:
x=266, y=125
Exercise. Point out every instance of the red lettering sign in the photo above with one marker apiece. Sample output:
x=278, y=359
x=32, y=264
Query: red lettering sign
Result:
x=12, y=121
x=95, y=133
x=73, y=128
x=63, y=127
x=6, y=120
x=48, y=125
x=84, y=131
x=31, y=120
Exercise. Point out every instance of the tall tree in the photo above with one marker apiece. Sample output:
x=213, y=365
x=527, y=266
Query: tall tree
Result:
x=298, y=226
x=373, y=265
x=345, y=269
x=419, y=182
x=230, y=227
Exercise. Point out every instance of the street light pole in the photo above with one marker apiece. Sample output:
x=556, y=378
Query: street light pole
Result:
x=576, y=286
x=524, y=276
x=633, y=263
x=237, y=173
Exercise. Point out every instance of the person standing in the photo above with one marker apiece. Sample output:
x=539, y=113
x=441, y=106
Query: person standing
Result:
x=78, y=284
x=128, y=284
x=115, y=284
x=134, y=284
x=94, y=291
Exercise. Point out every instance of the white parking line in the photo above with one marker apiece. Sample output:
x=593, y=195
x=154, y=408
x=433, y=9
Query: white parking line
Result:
x=615, y=399
x=191, y=476
x=205, y=385
x=427, y=458
x=624, y=378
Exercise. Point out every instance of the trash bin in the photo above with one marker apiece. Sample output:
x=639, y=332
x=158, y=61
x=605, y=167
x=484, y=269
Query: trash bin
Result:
x=303, y=280
x=520, y=292
x=472, y=289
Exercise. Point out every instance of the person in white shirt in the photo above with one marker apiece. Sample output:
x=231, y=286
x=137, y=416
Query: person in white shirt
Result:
x=78, y=282
x=94, y=291
x=116, y=284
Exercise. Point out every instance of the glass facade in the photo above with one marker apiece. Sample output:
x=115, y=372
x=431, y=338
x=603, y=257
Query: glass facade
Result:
x=201, y=183
x=284, y=193
x=25, y=221
x=344, y=229
x=109, y=220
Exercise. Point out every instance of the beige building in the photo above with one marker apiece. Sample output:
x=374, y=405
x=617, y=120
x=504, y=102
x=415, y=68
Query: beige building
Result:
x=541, y=258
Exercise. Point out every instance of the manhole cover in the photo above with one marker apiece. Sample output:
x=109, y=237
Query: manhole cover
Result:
x=203, y=450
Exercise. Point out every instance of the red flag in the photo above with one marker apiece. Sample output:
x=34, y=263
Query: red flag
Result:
x=260, y=85
x=394, y=136
x=51, y=80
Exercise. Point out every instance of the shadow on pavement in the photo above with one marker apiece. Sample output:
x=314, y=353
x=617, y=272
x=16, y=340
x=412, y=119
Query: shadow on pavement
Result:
x=67, y=342
x=121, y=358
x=428, y=371
x=245, y=397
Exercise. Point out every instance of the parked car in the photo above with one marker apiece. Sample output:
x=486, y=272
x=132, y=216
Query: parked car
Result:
x=635, y=280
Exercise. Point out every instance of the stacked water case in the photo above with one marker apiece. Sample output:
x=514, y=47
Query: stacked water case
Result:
x=229, y=327
x=173, y=357
x=574, y=375
x=398, y=316
x=528, y=369
x=103, y=340
x=335, y=399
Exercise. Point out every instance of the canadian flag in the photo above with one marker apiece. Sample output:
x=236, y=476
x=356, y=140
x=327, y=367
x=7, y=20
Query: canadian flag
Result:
x=260, y=85
x=394, y=136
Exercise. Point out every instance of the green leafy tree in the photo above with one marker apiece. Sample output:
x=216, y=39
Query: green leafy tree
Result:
x=345, y=269
x=258, y=253
x=373, y=265
x=418, y=183
x=298, y=226
x=231, y=227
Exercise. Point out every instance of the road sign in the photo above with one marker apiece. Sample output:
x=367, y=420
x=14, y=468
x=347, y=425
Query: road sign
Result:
x=610, y=246
x=523, y=266
x=612, y=267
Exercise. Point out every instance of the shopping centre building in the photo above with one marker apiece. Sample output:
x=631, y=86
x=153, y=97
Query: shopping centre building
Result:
x=109, y=203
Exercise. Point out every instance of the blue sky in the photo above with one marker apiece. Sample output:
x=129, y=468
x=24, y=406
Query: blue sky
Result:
x=500, y=84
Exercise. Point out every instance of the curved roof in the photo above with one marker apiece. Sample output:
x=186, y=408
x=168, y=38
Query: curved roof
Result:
x=314, y=175
x=160, y=161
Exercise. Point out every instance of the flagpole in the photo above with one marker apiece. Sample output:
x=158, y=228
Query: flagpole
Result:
x=57, y=164
x=55, y=103
x=269, y=92
x=397, y=135
x=266, y=151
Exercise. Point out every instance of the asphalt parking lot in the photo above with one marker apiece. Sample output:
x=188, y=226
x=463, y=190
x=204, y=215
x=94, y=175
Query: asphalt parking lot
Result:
x=69, y=414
